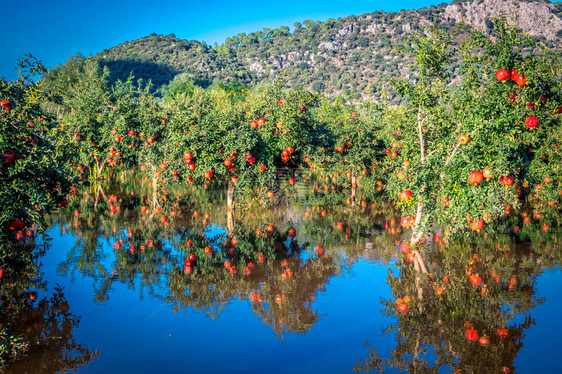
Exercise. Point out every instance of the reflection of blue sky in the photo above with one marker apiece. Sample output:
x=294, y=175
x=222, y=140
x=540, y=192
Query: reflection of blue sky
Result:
x=542, y=344
x=132, y=331
x=138, y=333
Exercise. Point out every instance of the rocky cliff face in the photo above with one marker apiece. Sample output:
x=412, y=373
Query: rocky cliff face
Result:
x=535, y=17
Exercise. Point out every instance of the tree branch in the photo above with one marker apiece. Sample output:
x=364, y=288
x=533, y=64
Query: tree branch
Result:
x=420, y=133
x=450, y=158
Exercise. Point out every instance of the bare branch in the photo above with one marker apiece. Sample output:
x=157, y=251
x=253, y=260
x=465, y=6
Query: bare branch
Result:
x=450, y=158
x=420, y=132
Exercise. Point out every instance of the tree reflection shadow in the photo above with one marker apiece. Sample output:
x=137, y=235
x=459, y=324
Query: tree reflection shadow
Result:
x=36, y=331
x=470, y=314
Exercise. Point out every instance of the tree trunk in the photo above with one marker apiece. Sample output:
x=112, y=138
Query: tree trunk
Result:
x=100, y=188
x=231, y=208
x=417, y=235
x=353, y=188
x=99, y=192
x=420, y=262
x=96, y=201
x=154, y=188
x=419, y=224
x=418, y=231
x=419, y=286
x=419, y=282
x=99, y=166
x=416, y=353
x=420, y=134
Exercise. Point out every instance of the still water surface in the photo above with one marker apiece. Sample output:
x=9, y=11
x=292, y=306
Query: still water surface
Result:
x=134, y=332
x=142, y=316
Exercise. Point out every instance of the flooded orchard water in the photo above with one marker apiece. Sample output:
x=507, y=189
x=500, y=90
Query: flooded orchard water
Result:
x=318, y=299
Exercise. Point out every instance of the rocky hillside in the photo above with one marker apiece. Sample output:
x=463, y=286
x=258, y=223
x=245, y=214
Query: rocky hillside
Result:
x=540, y=19
x=354, y=56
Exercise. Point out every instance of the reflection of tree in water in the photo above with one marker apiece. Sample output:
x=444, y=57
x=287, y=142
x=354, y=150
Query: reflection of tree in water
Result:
x=461, y=317
x=137, y=248
x=285, y=305
x=120, y=245
x=48, y=329
x=156, y=258
x=36, y=333
x=281, y=292
x=116, y=243
x=268, y=271
x=143, y=259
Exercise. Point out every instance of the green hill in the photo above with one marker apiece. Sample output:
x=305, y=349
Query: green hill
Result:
x=355, y=56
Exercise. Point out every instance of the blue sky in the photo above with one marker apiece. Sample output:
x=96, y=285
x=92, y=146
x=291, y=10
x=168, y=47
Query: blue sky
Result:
x=54, y=30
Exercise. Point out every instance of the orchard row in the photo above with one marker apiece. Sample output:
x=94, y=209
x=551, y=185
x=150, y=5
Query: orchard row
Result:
x=459, y=154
